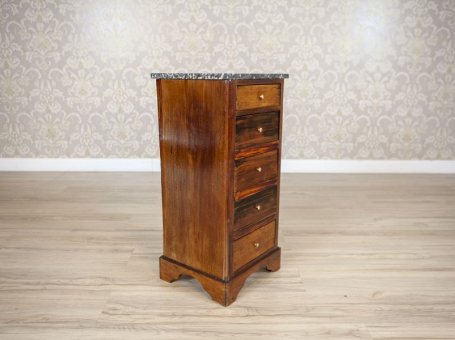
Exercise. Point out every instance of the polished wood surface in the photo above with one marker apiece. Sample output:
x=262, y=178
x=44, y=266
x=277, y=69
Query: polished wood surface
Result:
x=194, y=150
x=212, y=157
x=257, y=96
x=255, y=173
x=364, y=257
x=256, y=129
x=255, y=208
x=222, y=291
x=253, y=245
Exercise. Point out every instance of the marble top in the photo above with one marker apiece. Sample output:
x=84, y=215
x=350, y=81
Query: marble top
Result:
x=220, y=76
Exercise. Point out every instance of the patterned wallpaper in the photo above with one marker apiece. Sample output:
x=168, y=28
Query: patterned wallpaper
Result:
x=370, y=79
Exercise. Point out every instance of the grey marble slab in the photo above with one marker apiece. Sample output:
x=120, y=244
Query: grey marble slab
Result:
x=220, y=76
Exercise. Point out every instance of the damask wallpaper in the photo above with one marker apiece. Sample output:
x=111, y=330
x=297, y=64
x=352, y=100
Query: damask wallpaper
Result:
x=369, y=79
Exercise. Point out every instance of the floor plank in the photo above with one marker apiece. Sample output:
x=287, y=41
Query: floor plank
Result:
x=363, y=257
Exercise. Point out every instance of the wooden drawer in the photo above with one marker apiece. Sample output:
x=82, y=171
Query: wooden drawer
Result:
x=251, y=172
x=256, y=129
x=255, y=208
x=253, y=245
x=257, y=96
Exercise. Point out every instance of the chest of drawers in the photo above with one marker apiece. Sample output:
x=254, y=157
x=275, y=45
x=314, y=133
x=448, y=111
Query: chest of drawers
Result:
x=220, y=148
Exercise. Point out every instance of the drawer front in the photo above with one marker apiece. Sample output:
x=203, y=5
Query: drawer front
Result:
x=257, y=96
x=253, y=171
x=255, y=208
x=253, y=245
x=256, y=129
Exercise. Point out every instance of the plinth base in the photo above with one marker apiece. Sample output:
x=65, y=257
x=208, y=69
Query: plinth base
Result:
x=223, y=292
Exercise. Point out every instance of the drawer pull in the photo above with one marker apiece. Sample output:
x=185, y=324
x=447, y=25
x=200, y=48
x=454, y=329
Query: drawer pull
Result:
x=258, y=207
x=256, y=245
x=260, y=130
x=261, y=97
x=259, y=169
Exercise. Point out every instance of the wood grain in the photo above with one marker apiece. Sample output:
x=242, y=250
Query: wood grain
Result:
x=253, y=245
x=256, y=129
x=257, y=96
x=255, y=208
x=199, y=132
x=364, y=257
x=194, y=163
x=255, y=172
x=223, y=292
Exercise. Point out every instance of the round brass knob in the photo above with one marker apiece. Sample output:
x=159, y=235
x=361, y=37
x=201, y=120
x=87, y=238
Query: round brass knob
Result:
x=259, y=169
x=261, y=97
x=260, y=130
x=258, y=207
x=256, y=244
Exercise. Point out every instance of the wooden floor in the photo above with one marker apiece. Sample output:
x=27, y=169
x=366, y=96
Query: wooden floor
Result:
x=363, y=256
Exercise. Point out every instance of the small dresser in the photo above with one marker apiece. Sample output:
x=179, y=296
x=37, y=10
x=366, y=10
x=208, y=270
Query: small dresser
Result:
x=220, y=150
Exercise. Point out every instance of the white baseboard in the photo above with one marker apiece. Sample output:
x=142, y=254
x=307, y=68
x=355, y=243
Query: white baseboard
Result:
x=79, y=164
x=368, y=166
x=287, y=165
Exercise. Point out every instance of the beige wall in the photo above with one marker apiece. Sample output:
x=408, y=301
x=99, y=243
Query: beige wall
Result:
x=369, y=79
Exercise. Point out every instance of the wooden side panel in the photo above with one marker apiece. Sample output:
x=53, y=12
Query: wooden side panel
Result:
x=194, y=146
x=279, y=160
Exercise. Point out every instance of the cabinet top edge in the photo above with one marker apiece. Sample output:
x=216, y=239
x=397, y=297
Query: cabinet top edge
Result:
x=220, y=76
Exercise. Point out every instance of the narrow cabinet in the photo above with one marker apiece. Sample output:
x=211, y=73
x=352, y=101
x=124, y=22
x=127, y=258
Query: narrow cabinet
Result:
x=220, y=150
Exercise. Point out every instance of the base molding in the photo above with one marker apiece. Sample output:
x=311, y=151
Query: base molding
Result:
x=287, y=165
x=223, y=292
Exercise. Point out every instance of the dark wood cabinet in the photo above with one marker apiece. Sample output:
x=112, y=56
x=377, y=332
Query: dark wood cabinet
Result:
x=220, y=146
